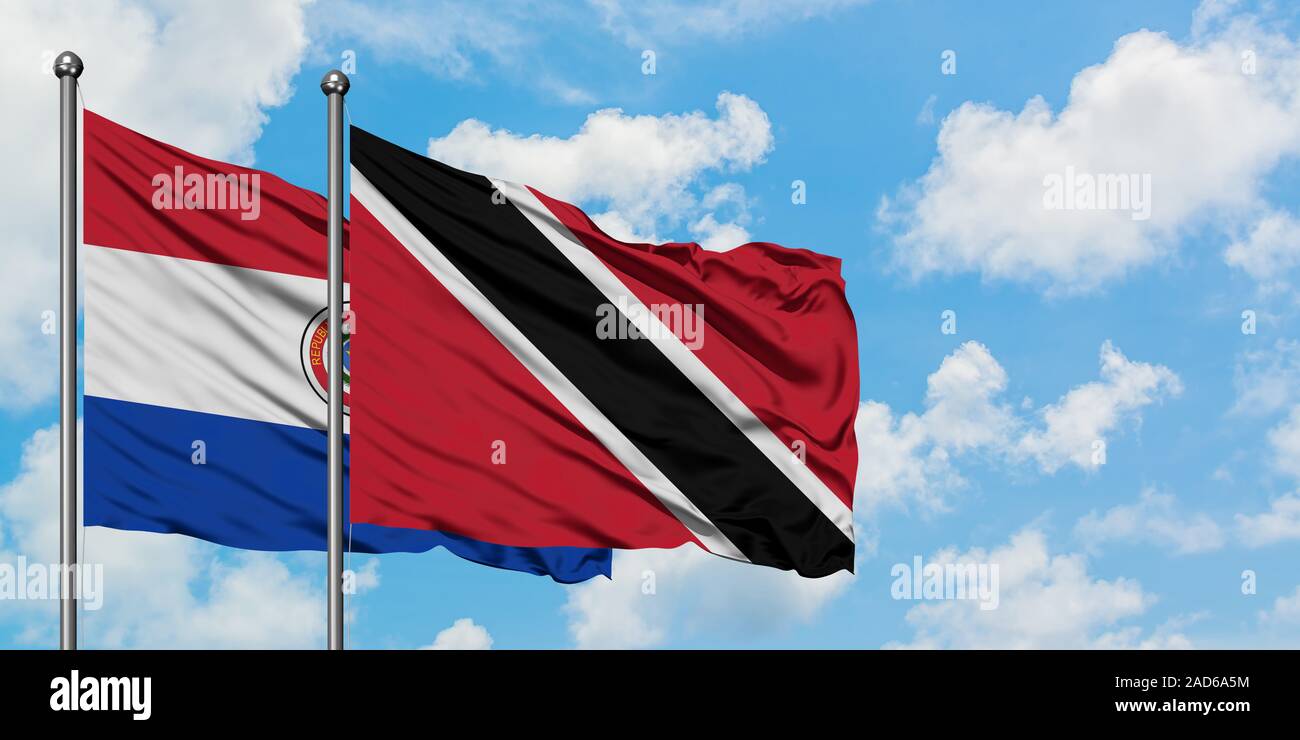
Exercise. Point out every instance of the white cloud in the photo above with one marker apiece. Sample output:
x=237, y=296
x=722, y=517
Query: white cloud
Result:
x=445, y=37
x=1166, y=636
x=1186, y=114
x=642, y=168
x=158, y=590
x=1279, y=524
x=1285, y=611
x=365, y=578
x=723, y=235
x=910, y=458
x=1211, y=14
x=1090, y=412
x=253, y=602
x=718, y=236
x=457, y=39
x=1045, y=601
x=1269, y=250
x=199, y=75
x=960, y=409
x=618, y=227
x=1154, y=519
x=661, y=595
x=897, y=463
x=1267, y=381
x=463, y=634
x=453, y=39
x=1284, y=439
x=26, y=502
x=673, y=21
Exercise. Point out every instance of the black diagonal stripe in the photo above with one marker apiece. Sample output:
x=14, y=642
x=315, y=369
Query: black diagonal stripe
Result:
x=631, y=382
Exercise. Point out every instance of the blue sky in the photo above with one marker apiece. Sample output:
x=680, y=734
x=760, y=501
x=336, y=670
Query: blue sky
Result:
x=979, y=442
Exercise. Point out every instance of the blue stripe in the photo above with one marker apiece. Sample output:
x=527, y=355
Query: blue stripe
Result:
x=262, y=488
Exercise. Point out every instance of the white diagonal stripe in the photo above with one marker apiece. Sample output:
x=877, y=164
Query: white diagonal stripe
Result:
x=672, y=347
x=542, y=368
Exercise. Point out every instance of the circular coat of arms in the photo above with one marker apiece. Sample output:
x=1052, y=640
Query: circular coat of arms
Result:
x=315, y=355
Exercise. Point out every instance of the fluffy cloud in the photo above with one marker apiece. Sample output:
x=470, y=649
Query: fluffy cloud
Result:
x=910, y=458
x=158, y=590
x=1189, y=115
x=1279, y=524
x=254, y=601
x=1045, y=601
x=897, y=463
x=642, y=168
x=1284, y=439
x=463, y=634
x=726, y=200
x=640, y=23
x=1154, y=519
x=1088, y=413
x=657, y=595
x=148, y=66
x=1268, y=251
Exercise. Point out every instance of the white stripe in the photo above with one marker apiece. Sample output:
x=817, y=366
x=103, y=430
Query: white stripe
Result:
x=537, y=363
x=199, y=336
x=672, y=347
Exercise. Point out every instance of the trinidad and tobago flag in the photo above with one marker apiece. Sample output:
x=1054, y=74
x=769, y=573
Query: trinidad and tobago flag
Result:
x=523, y=378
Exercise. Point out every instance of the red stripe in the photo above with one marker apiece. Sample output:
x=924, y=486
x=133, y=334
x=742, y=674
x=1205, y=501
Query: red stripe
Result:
x=433, y=390
x=288, y=235
x=778, y=332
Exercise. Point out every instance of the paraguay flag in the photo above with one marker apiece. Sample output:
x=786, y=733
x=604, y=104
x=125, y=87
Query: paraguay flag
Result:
x=524, y=378
x=205, y=410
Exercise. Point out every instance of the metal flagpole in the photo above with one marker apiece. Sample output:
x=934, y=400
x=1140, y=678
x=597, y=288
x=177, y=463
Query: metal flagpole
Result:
x=67, y=67
x=335, y=85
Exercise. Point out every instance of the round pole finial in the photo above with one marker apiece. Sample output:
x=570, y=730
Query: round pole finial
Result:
x=68, y=64
x=333, y=82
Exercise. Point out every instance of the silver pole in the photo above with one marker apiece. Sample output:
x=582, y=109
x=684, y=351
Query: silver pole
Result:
x=335, y=85
x=68, y=67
